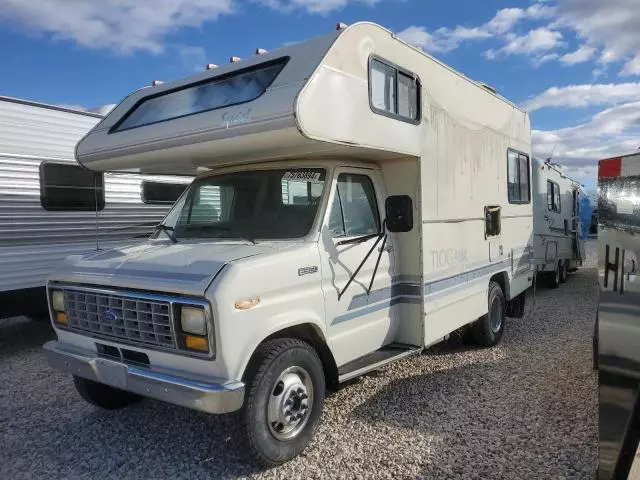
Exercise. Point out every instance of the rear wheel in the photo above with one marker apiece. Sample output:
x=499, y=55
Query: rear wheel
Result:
x=488, y=329
x=564, y=271
x=104, y=396
x=285, y=395
x=553, y=278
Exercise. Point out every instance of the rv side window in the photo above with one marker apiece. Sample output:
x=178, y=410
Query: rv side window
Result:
x=394, y=92
x=355, y=210
x=553, y=196
x=518, y=188
x=161, y=192
x=67, y=187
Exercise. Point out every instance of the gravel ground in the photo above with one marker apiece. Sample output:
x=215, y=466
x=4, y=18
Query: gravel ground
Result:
x=525, y=409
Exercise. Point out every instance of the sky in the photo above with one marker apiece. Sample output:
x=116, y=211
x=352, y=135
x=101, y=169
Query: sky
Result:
x=573, y=64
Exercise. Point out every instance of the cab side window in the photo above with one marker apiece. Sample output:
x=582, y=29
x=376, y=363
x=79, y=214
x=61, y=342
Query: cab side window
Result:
x=355, y=210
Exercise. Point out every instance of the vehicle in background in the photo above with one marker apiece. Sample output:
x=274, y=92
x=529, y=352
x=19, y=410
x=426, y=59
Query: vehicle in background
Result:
x=50, y=207
x=372, y=202
x=617, y=333
x=558, y=204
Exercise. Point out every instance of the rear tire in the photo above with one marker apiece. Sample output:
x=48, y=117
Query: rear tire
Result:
x=553, y=278
x=488, y=329
x=104, y=396
x=564, y=271
x=285, y=387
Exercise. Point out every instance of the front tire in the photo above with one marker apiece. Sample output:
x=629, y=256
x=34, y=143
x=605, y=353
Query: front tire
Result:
x=488, y=329
x=285, y=389
x=104, y=396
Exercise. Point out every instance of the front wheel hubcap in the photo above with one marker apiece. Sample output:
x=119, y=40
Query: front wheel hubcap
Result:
x=495, y=315
x=290, y=403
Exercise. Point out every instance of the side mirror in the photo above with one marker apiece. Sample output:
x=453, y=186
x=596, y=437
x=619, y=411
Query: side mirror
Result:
x=399, y=213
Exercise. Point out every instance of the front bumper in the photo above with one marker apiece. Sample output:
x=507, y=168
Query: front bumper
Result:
x=211, y=397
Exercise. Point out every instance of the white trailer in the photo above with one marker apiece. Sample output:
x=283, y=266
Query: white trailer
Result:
x=48, y=202
x=372, y=201
x=558, y=242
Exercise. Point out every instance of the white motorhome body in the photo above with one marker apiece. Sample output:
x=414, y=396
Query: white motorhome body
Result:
x=558, y=243
x=302, y=145
x=37, y=232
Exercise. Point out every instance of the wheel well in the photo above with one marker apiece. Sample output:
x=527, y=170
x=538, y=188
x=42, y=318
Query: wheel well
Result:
x=309, y=333
x=501, y=279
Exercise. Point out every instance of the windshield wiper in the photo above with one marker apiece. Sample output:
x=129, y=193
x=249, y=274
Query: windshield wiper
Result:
x=169, y=231
x=220, y=228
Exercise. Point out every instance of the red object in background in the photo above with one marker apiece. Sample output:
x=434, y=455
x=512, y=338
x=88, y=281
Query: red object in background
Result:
x=610, y=167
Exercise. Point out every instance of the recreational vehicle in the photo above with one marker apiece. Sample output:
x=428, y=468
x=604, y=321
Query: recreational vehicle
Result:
x=558, y=245
x=617, y=333
x=50, y=207
x=371, y=201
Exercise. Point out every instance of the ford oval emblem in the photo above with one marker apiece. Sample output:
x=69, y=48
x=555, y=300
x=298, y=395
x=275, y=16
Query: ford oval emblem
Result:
x=110, y=315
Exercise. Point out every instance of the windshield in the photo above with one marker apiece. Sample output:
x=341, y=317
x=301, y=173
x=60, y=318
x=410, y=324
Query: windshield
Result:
x=250, y=205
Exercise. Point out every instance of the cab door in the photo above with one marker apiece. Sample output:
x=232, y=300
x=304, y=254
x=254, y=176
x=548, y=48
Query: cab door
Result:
x=360, y=320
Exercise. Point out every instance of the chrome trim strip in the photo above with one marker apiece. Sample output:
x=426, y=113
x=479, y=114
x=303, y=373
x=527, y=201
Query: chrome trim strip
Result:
x=215, y=396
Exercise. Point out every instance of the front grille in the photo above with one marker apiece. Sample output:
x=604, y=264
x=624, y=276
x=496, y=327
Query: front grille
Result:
x=132, y=320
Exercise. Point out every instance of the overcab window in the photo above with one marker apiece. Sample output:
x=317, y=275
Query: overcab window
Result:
x=219, y=92
x=68, y=187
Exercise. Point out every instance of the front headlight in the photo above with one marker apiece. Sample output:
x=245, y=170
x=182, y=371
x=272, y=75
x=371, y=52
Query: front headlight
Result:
x=193, y=320
x=57, y=300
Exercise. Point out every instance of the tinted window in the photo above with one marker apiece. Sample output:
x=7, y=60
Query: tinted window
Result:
x=553, y=196
x=260, y=204
x=216, y=93
x=70, y=187
x=354, y=211
x=518, y=184
x=393, y=91
x=161, y=192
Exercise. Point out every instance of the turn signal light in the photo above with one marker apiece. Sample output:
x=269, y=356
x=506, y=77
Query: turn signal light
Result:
x=62, y=318
x=193, y=342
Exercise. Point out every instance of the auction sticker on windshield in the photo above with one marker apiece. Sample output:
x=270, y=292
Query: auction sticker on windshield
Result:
x=302, y=176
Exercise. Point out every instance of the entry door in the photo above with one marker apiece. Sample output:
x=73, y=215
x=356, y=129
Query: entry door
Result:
x=358, y=322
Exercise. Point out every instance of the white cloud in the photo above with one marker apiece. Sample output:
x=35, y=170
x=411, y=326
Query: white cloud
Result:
x=123, y=26
x=611, y=24
x=535, y=41
x=102, y=110
x=313, y=6
x=611, y=132
x=575, y=96
x=193, y=58
x=446, y=39
x=581, y=55
x=537, y=61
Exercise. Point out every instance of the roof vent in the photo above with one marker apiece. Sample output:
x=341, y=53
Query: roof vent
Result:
x=155, y=83
x=341, y=26
x=210, y=66
x=261, y=51
x=488, y=87
x=234, y=59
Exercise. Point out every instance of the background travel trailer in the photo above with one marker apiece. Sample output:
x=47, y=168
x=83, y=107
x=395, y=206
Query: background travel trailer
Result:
x=48, y=202
x=558, y=204
x=617, y=334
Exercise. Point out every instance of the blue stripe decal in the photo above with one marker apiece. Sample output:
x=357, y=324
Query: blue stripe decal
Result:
x=409, y=293
x=374, y=308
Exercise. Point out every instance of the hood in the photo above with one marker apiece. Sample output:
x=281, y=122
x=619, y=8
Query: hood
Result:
x=158, y=265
